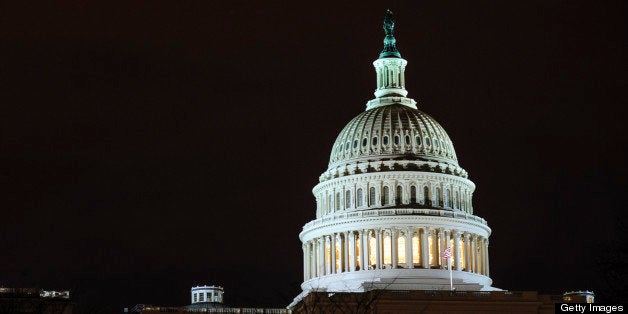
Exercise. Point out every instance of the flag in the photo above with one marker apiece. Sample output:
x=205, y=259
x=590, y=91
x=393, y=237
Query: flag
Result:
x=447, y=253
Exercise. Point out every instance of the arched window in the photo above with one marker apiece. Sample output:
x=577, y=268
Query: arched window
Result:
x=347, y=199
x=413, y=194
x=364, y=142
x=396, y=139
x=426, y=196
x=337, y=202
x=385, y=140
x=447, y=198
x=372, y=196
x=398, y=195
x=374, y=141
x=437, y=197
x=385, y=196
x=456, y=200
x=328, y=203
x=359, y=197
x=407, y=139
x=417, y=139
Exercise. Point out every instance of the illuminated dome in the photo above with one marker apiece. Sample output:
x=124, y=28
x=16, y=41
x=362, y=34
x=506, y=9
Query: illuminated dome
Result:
x=385, y=134
x=394, y=208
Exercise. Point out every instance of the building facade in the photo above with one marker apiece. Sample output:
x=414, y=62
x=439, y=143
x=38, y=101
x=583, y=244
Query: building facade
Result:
x=392, y=199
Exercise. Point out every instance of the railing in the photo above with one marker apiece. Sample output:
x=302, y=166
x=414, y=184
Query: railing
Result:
x=392, y=212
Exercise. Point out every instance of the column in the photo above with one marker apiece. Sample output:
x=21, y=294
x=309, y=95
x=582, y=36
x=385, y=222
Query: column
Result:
x=362, y=251
x=351, y=251
x=488, y=272
x=457, y=250
x=474, y=255
x=441, y=247
x=311, y=266
x=434, y=248
x=447, y=241
x=315, y=258
x=425, y=257
x=333, y=253
x=328, y=242
x=393, y=249
x=378, y=244
x=467, y=243
x=304, y=262
x=409, y=260
x=321, y=258
x=345, y=246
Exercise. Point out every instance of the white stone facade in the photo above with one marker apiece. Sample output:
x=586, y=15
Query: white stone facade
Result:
x=203, y=294
x=391, y=201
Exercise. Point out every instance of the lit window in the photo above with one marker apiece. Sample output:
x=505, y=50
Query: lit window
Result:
x=358, y=253
x=433, y=250
x=463, y=258
x=416, y=250
x=338, y=258
x=387, y=250
x=401, y=249
x=372, y=243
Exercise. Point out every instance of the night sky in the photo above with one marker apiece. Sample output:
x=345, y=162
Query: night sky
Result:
x=149, y=146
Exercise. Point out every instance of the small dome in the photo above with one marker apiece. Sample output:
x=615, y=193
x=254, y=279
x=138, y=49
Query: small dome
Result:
x=393, y=132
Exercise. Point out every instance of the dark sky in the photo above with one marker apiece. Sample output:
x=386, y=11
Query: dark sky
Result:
x=149, y=146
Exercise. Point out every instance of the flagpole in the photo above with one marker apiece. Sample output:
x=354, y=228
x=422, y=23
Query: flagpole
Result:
x=451, y=276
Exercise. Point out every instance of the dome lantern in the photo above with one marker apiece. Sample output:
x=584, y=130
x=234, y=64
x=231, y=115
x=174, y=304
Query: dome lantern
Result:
x=390, y=69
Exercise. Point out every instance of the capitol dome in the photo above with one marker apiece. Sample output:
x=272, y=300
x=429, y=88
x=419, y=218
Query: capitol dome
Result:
x=394, y=132
x=394, y=209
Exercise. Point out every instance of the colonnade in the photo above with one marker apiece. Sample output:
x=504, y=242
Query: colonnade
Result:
x=378, y=194
x=393, y=248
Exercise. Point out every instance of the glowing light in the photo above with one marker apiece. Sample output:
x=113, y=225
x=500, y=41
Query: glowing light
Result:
x=387, y=250
x=416, y=250
x=401, y=250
